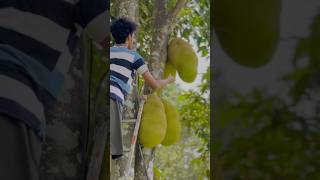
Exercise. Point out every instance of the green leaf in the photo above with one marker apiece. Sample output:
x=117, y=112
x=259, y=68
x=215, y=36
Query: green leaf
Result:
x=157, y=175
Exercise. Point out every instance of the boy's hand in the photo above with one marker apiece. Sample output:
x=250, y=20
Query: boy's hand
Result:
x=170, y=79
x=157, y=84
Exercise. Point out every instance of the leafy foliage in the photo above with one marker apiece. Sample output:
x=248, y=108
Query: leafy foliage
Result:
x=181, y=161
x=261, y=136
x=194, y=23
x=189, y=159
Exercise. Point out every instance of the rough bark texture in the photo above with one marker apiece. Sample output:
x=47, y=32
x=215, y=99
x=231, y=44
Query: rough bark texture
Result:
x=156, y=64
x=98, y=129
x=129, y=9
x=63, y=150
x=162, y=28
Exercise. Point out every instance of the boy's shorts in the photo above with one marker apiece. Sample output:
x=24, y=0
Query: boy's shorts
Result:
x=20, y=150
x=116, y=145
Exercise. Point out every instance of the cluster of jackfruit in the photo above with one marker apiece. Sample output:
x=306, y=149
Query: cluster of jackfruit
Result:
x=248, y=30
x=159, y=124
x=181, y=58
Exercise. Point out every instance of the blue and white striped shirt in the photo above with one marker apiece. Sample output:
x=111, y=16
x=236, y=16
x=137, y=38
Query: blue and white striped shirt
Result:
x=36, y=41
x=123, y=65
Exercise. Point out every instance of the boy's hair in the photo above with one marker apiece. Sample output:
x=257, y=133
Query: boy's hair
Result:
x=121, y=29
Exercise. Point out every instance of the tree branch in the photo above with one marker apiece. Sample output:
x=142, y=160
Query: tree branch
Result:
x=175, y=11
x=159, y=13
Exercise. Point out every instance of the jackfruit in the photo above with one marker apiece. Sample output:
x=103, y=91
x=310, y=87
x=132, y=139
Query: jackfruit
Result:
x=183, y=58
x=248, y=30
x=188, y=71
x=169, y=69
x=173, y=124
x=153, y=122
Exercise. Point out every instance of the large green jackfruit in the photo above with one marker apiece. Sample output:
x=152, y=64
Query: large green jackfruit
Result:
x=248, y=30
x=173, y=124
x=169, y=69
x=188, y=71
x=153, y=122
x=182, y=56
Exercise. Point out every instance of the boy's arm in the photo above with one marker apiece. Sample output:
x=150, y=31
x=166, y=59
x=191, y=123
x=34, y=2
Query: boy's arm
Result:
x=156, y=84
x=142, y=69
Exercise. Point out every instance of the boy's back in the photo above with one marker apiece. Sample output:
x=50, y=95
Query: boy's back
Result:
x=123, y=64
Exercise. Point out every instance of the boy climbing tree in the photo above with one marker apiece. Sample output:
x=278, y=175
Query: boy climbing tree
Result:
x=124, y=63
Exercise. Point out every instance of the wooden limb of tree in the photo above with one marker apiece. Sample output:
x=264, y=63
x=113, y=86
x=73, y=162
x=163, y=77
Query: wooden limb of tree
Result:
x=159, y=13
x=157, y=59
x=172, y=15
x=63, y=152
x=159, y=41
x=161, y=30
x=128, y=9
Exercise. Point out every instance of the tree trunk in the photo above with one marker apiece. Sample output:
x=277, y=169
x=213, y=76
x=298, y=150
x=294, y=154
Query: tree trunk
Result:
x=63, y=150
x=129, y=9
x=156, y=64
x=162, y=27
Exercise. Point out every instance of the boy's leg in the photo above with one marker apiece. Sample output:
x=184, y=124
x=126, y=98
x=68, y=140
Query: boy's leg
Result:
x=115, y=129
x=20, y=150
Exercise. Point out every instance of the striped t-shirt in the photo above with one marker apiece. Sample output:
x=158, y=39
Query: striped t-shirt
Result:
x=123, y=65
x=36, y=41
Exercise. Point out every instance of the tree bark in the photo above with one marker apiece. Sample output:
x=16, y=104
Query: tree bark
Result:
x=128, y=9
x=162, y=25
x=63, y=150
x=158, y=57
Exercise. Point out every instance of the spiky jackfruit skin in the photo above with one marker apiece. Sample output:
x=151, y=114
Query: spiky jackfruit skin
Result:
x=153, y=123
x=169, y=69
x=182, y=56
x=248, y=30
x=173, y=124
